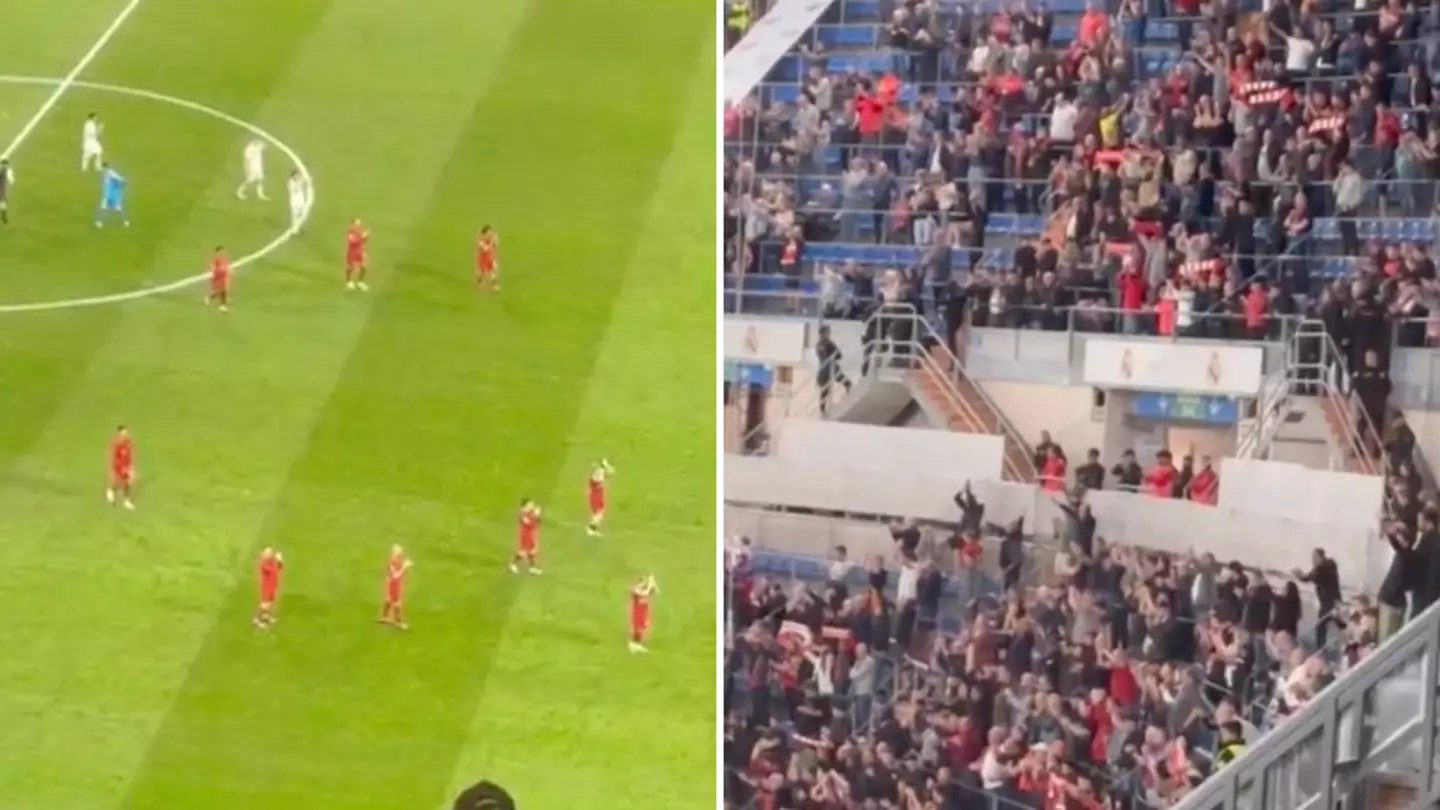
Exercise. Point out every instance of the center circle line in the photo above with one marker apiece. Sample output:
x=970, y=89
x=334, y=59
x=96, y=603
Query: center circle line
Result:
x=145, y=292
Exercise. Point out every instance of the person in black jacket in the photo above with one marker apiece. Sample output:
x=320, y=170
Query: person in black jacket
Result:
x=1325, y=578
x=1259, y=604
x=1427, y=548
x=1372, y=385
x=1285, y=618
x=1406, y=568
x=828, y=371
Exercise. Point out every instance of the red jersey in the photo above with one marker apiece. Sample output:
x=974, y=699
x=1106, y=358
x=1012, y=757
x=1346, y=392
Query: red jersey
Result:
x=121, y=453
x=355, y=241
x=485, y=251
x=270, y=568
x=396, y=569
x=639, y=604
x=529, y=524
x=220, y=268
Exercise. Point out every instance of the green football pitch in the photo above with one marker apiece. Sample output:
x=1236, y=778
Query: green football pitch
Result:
x=331, y=424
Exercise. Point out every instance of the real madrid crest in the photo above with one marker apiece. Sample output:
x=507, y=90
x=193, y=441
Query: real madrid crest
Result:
x=1213, y=370
x=1127, y=364
x=752, y=341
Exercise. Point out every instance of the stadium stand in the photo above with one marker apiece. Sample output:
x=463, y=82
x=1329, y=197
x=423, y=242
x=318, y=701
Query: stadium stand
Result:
x=1139, y=167
x=985, y=147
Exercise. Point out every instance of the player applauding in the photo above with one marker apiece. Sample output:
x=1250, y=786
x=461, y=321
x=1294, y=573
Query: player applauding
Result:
x=355, y=243
x=219, y=280
x=391, y=612
x=527, y=546
x=640, y=595
x=487, y=260
x=122, y=469
x=598, y=474
x=271, y=565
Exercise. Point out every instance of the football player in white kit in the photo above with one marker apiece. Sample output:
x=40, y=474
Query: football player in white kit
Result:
x=254, y=170
x=301, y=195
x=92, y=154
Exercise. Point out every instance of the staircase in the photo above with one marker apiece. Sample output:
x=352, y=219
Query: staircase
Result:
x=1308, y=384
x=909, y=348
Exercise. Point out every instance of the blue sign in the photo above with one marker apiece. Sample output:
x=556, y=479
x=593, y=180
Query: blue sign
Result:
x=1207, y=410
x=752, y=374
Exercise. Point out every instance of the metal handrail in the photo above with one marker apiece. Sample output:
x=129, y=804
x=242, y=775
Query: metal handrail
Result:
x=923, y=346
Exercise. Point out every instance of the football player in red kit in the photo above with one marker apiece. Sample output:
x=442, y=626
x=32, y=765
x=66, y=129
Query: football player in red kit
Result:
x=122, y=469
x=527, y=544
x=640, y=595
x=598, y=475
x=271, y=565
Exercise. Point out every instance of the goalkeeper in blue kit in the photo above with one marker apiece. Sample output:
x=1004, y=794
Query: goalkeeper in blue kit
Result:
x=112, y=197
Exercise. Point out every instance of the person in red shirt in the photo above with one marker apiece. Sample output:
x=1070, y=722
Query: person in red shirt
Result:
x=122, y=469
x=599, y=474
x=871, y=112
x=392, y=611
x=1205, y=486
x=1133, y=291
x=1256, y=305
x=527, y=547
x=487, y=260
x=1094, y=26
x=271, y=564
x=640, y=595
x=219, y=280
x=1052, y=472
x=1160, y=480
x=356, y=240
x=1124, y=687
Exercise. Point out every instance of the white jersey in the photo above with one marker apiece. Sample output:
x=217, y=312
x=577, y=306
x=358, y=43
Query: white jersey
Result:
x=255, y=159
x=90, y=134
x=299, y=191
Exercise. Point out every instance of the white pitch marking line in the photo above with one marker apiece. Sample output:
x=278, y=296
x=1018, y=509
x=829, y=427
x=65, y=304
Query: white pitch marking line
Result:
x=70, y=78
x=134, y=295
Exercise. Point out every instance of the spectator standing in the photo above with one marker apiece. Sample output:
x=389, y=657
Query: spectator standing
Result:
x=828, y=371
x=1324, y=577
x=1349, y=189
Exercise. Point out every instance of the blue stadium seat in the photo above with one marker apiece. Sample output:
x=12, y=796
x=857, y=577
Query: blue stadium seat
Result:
x=862, y=62
x=855, y=11
x=1063, y=33
x=1001, y=224
x=1162, y=32
x=786, y=70
x=1029, y=225
x=848, y=36
x=868, y=254
x=779, y=93
x=1336, y=267
x=1418, y=229
x=1369, y=228
x=1324, y=230
x=1068, y=6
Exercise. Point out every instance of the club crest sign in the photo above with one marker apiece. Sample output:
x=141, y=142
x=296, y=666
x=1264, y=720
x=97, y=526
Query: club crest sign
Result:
x=1195, y=368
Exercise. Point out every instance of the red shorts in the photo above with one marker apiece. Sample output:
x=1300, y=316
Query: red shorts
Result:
x=597, y=504
x=393, y=592
x=355, y=260
x=639, y=622
x=121, y=476
x=219, y=284
x=268, y=592
x=485, y=268
x=528, y=545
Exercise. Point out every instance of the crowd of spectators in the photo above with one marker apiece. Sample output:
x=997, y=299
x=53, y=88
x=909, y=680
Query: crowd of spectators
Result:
x=1170, y=176
x=1112, y=678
